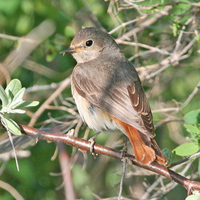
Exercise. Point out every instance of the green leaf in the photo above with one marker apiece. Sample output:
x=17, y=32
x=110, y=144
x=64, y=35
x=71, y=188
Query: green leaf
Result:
x=186, y=149
x=19, y=95
x=192, y=128
x=168, y=155
x=12, y=126
x=69, y=31
x=23, y=24
x=3, y=97
x=175, y=28
x=13, y=88
x=25, y=104
x=198, y=37
x=193, y=197
x=15, y=104
x=193, y=117
x=19, y=111
x=17, y=100
x=51, y=55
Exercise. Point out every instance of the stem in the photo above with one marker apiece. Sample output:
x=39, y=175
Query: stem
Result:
x=98, y=149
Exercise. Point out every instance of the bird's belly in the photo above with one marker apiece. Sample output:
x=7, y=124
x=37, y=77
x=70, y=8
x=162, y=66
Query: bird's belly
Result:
x=95, y=118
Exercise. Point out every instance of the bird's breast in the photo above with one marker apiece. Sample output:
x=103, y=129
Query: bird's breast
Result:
x=95, y=118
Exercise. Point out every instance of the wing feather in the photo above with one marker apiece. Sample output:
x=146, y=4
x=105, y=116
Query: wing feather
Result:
x=117, y=91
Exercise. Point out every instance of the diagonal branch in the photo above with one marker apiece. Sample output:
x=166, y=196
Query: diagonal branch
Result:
x=98, y=149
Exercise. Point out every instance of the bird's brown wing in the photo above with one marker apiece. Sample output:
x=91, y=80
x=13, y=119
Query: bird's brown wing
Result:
x=123, y=98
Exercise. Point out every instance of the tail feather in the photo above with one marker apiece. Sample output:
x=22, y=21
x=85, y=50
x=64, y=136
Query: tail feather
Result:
x=146, y=149
x=159, y=155
x=143, y=153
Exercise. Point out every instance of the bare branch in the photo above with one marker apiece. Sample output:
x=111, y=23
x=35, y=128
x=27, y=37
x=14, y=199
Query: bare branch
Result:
x=98, y=149
x=64, y=84
x=145, y=23
x=11, y=190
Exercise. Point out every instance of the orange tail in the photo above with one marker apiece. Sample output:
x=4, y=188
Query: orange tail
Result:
x=146, y=149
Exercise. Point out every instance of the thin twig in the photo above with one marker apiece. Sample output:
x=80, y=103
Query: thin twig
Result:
x=152, y=49
x=66, y=173
x=124, y=24
x=122, y=178
x=11, y=140
x=5, y=73
x=196, y=155
x=11, y=190
x=146, y=23
x=196, y=89
x=64, y=84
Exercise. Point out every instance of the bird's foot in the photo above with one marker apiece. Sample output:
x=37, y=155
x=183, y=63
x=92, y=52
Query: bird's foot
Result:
x=92, y=140
x=123, y=151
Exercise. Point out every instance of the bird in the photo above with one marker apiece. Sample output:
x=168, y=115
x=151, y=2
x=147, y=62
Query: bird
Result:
x=108, y=92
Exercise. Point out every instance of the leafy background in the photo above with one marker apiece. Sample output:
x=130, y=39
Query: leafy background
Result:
x=39, y=176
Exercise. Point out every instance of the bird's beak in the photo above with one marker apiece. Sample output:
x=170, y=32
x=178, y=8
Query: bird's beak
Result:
x=71, y=50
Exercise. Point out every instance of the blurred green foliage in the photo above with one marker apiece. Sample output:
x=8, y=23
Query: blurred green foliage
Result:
x=101, y=176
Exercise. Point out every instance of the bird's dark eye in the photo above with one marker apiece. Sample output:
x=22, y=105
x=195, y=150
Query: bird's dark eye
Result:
x=89, y=43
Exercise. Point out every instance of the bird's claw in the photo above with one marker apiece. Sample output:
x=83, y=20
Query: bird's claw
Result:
x=92, y=140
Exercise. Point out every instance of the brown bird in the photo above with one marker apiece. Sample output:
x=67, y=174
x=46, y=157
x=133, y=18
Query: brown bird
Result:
x=108, y=92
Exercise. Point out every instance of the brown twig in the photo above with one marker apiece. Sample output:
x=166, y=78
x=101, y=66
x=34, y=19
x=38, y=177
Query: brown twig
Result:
x=196, y=155
x=11, y=190
x=66, y=173
x=98, y=149
x=62, y=86
x=146, y=23
x=4, y=73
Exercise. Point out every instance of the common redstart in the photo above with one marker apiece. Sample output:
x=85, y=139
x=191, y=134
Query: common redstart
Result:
x=108, y=92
